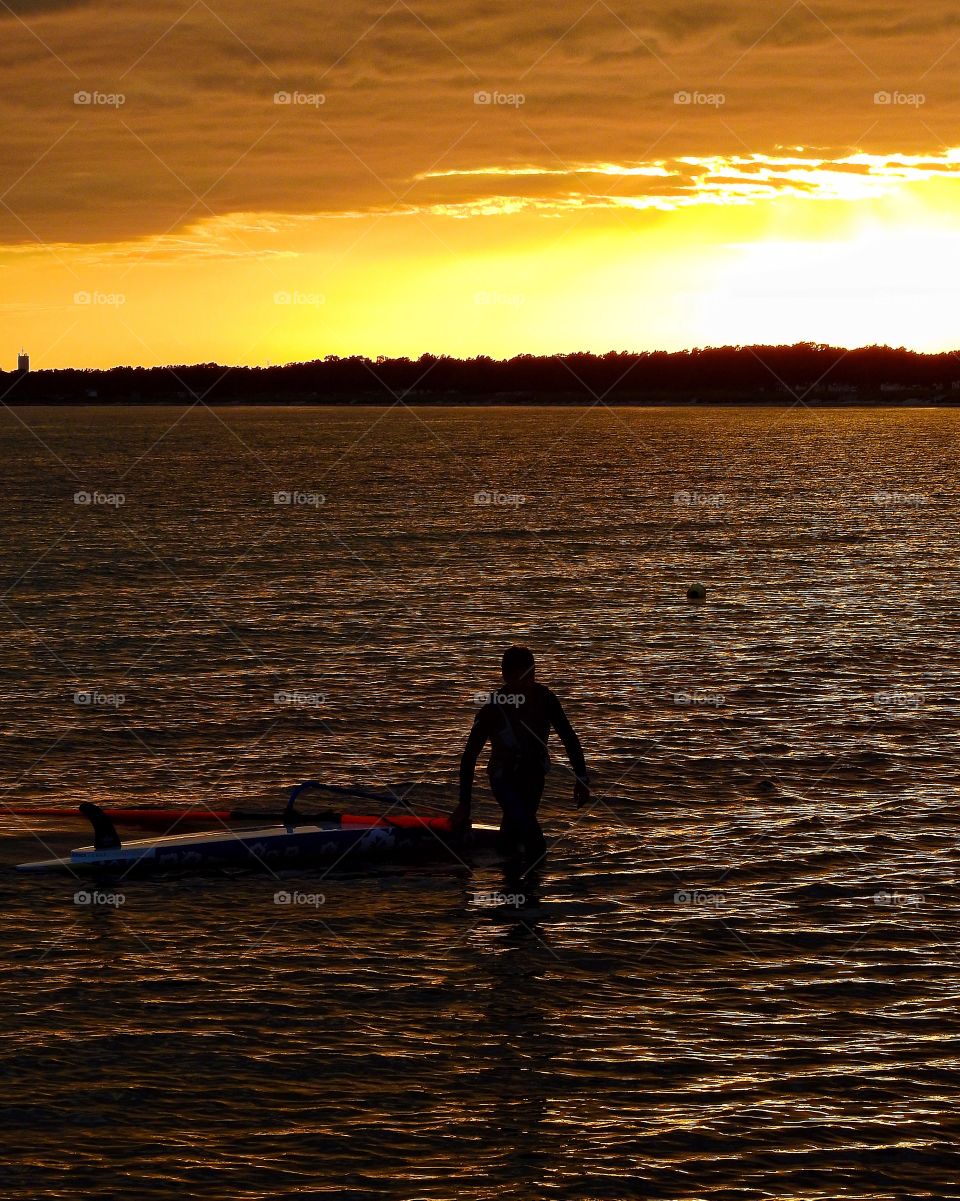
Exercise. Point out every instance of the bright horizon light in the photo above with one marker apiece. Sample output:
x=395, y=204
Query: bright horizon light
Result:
x=225, y=187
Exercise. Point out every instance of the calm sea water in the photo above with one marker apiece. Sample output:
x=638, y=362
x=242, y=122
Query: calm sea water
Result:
x=738, y=975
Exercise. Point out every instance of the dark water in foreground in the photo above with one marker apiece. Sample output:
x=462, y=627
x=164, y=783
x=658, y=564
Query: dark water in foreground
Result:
x=738, y=976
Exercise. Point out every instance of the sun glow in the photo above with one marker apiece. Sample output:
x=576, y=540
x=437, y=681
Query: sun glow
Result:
x=694, y=251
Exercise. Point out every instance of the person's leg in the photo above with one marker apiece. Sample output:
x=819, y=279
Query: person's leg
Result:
x=534, y=843
x=519, y=798
x=511, y=821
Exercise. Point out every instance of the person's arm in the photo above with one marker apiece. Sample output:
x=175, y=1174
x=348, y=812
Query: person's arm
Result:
x=468, y=763
x=571, y=744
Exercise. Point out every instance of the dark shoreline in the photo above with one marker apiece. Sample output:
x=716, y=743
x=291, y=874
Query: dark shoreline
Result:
x=784, y=401
x=808, y=373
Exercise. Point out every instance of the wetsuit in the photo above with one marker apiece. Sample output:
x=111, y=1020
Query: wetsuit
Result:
x=518, y=733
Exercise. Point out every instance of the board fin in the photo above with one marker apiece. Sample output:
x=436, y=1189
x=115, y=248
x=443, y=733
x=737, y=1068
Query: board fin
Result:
x=105, y=836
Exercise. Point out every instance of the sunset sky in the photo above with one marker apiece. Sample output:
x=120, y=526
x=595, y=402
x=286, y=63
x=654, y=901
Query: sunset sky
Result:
x=640, y=176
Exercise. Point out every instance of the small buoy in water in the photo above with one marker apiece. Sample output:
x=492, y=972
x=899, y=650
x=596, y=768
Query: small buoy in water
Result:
x=766, y=786
x=696, y=592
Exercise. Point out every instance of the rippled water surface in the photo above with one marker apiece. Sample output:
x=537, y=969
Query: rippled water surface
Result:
x=737, y=975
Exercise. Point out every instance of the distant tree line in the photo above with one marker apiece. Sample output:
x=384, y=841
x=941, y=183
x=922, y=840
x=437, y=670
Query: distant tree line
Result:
x=728, y=372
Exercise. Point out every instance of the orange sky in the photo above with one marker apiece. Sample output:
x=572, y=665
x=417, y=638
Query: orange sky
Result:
x=247, y=184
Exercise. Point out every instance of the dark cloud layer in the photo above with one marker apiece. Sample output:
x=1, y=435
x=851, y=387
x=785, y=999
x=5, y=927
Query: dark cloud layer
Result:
x=30, y=8
x=198, y=130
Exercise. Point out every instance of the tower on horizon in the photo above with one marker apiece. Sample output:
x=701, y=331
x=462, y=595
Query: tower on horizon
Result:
x=23, y=362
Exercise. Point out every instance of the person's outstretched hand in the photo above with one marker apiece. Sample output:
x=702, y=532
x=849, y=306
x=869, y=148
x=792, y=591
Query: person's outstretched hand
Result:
x=460, y=820
x=581, y=794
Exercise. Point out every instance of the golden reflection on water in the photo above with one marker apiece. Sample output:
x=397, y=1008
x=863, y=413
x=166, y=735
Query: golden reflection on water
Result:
x=737, y=973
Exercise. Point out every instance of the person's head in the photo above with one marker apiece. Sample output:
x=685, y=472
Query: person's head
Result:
x=518, y=667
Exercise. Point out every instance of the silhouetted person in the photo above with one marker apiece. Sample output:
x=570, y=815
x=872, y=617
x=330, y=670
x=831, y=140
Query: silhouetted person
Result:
x=516, y=721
